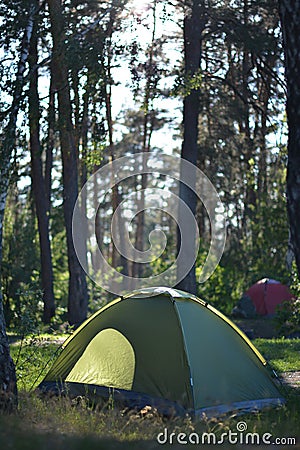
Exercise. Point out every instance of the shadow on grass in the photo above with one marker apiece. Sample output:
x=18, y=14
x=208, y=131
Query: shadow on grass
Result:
x=30, y=441
x=14, y=338
x=59, y=424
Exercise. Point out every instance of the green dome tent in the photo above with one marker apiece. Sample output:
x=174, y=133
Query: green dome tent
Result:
x=165, y=348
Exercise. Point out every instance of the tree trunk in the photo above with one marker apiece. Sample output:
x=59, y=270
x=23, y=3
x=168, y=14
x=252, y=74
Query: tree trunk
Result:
x=108, y=80
x=83, y=163
x=38, y=184
x=138, y=268
x=78, y=298
x=98, y=229
x=50, y=142
x=123, y=242
x=194, y=25
x=8, y=384
x=250, y=193
x=290, y=22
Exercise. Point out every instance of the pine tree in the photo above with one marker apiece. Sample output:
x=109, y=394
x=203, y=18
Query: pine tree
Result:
x=290, y=21
x=8, y=385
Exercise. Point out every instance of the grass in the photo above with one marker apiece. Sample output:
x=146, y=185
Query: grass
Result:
x=283, y=354
x=33, y=357
x=59, y=423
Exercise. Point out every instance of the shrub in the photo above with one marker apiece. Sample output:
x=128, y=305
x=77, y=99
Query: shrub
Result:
x=287, y=319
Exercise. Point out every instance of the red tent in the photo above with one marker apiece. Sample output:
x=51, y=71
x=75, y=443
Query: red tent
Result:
x=266, y=294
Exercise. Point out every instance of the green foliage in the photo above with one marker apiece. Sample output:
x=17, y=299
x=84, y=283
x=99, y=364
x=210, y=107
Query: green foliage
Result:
x=222, y=289
x=259, y=252
x=59, y=257
x=288, y=315
x=295, y=281
x=28, y=310
x=264, y=246
x=33, y=357
x=287, y=318
x=94, y=156
x=20, y=264
x=185, y=84
x=240, y=119
x=167, y=258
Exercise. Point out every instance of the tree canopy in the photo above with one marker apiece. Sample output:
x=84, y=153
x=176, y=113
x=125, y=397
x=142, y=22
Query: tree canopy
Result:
x=85, y=83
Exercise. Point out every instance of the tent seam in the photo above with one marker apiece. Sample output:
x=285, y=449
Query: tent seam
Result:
x=191, y=384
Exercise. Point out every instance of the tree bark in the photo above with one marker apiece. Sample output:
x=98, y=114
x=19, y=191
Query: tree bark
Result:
x=83, y=163
x=245, y=128
x=138, y=268
x=8, y=384
x=194, y=24
x=39, y=185
x=290, y=22
x=50, y=142
x=78, y=298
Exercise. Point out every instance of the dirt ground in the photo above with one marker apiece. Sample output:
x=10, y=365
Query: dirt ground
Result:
x=291, y=379
x=257, y=328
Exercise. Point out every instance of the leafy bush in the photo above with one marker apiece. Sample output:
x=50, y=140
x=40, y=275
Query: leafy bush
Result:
x=287, y=318
x=223, y=289
x=27, y=310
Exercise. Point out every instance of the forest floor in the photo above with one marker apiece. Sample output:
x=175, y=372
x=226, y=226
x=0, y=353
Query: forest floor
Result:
x=291, y=379
x=59, y=423
x=257, y=328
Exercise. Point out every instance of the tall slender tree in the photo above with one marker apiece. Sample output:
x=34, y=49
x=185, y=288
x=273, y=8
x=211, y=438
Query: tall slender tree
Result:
x=8, y=385
x=194, y=24
x=150, y=90
x=39, y=183
x=78, y=297
x=290, y=22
